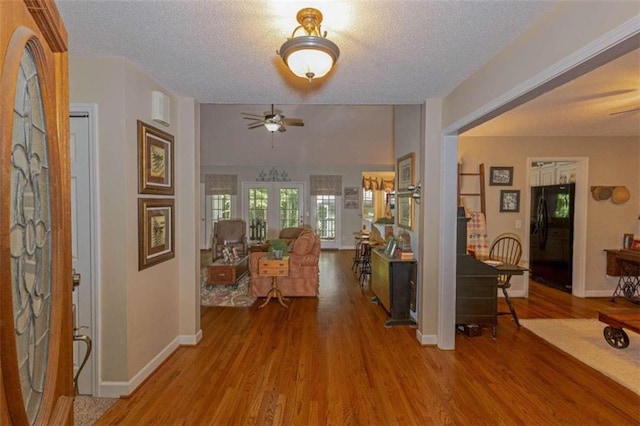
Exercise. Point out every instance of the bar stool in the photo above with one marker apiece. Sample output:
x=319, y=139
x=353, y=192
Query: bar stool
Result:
x=357, y=257
x=365, y=263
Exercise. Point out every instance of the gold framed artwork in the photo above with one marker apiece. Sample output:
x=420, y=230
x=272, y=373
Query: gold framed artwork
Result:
x=405, y=171
x=404, y=209
x=155, y=231
x=155, y=161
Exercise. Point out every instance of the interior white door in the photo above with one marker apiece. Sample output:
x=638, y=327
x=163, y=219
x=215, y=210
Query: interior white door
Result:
x=81, y=246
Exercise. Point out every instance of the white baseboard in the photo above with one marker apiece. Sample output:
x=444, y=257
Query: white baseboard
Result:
x=598, y=293
x=426, y=339
x=190, y=339
x=119, y=389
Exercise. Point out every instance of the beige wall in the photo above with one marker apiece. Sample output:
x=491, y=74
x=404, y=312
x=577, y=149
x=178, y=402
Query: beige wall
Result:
x=110, y=97
x=611, y=161
x=140, y=310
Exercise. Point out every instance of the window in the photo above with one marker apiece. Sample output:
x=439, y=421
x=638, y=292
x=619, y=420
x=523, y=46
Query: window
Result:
x=220, y=207
x=326, y=216
x=367, y=204
x=289, y=209
x=258, y=208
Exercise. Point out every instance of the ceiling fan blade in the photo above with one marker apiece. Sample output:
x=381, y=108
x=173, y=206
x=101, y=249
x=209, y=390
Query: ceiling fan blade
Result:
x=254, y=125
x=626, y=111
x=254, y=119
x=293, y=122
x=248, y=115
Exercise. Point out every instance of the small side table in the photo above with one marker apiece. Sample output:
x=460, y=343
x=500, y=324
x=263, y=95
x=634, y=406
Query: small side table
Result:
x=270, y=267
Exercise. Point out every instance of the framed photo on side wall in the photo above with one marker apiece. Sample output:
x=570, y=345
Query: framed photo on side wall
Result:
x=510, y=200
x=405, y=171
x=501, y=176
x=155, y=161
x=155, y=231
x=404, y=209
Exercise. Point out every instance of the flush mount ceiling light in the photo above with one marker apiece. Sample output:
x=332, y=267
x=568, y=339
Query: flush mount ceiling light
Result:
x=309, y=55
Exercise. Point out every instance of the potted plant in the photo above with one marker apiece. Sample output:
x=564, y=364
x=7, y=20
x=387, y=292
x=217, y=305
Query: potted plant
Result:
x=279, y=248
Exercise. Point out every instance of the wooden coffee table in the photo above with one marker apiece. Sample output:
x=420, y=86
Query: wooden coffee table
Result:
x=221, y=272
x=618, y=320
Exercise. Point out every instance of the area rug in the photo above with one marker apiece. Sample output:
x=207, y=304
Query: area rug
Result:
x=236, y=296
x=87, y=410
x=583, y=339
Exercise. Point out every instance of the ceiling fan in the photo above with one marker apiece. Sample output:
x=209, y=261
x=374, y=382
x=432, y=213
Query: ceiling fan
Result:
x=272, y=122
x=626, y=111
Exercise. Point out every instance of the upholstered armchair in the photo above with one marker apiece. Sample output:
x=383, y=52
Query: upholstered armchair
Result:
x=303, y=279
x=228, y=233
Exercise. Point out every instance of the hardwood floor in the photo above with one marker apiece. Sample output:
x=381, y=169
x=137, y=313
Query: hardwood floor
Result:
x=330, y=360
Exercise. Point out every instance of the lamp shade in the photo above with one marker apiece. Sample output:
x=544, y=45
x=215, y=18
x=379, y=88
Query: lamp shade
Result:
x=309, y=56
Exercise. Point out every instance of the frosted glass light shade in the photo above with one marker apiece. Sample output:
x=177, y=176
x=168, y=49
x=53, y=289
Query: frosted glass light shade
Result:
x=272, y=127
x=309, y=56
x=303, y=62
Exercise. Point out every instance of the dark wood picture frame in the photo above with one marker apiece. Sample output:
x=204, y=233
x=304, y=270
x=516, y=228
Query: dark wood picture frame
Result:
x=156, y=220
x=510, y=200
x=501, y=176
x=155, y=161
x=405, y=171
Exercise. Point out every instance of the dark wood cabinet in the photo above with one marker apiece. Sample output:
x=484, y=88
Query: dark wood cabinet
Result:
x=476, y=293
x=476, y=285
x=392, y=281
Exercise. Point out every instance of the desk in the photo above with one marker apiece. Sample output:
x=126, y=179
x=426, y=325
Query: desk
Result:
x=625, y=264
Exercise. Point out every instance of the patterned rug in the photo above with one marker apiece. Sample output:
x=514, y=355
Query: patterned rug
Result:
x=236, y=296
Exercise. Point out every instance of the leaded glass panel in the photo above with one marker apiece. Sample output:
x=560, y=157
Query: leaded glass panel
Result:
x=30, y=235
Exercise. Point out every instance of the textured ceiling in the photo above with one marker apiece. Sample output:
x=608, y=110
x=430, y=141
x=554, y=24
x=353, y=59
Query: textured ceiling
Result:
x=392, y=52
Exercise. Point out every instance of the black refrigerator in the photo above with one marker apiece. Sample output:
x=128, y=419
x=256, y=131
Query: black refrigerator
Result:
x=551, y=235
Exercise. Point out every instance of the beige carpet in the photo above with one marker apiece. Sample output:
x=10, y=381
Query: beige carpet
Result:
x=583, y=339
x=86, y=409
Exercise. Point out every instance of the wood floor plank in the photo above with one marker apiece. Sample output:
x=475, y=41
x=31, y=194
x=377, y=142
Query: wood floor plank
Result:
x=330, y=360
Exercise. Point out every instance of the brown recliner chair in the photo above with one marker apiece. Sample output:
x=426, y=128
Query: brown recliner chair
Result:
x=303, y=279
x=228, y=233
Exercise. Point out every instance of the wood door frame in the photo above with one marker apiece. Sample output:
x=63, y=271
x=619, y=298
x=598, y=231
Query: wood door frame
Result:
x=37, y=24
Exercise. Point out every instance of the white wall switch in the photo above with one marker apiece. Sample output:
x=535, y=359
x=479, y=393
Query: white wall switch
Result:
x=518, y=224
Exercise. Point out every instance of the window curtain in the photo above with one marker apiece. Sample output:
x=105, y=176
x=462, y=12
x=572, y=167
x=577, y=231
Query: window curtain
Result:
x=326, y=184
x=371, y=183
x=221, y=184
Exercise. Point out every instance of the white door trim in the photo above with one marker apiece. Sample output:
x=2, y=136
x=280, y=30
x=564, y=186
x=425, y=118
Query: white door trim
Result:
x=94, y=204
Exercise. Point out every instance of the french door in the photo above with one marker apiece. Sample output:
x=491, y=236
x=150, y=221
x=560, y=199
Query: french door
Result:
x=268, y=207
x=36, y=329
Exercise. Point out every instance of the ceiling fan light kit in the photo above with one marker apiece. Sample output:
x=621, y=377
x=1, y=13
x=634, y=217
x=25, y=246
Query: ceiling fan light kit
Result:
x=310, y=55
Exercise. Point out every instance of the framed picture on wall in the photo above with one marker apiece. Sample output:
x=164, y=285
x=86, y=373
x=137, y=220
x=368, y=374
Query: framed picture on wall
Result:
x=404, y=211
x=501, y=176
x=351, y=197
x=155, y=161
x=405, y=171
x=155, y=231
x=510, y=201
